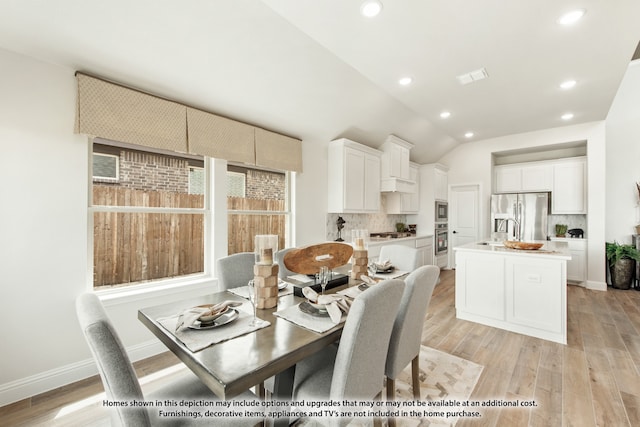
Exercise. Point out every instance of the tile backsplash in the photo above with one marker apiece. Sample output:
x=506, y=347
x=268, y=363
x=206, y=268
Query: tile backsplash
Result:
x=572, y=221
x=375, y=222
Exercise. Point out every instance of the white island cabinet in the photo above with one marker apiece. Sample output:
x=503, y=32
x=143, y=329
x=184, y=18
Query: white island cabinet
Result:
x=520, y=291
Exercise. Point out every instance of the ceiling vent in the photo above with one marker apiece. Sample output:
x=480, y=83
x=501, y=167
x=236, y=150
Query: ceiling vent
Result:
x=472, y=76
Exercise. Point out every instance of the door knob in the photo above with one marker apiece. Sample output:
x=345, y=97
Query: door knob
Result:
x=454, y=231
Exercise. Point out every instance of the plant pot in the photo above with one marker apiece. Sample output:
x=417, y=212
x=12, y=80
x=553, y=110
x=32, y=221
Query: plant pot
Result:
x=622, y=273
x=561, y=235
x=637, y=229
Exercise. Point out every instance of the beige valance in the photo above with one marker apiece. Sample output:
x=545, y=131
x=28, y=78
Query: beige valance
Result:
x=278, y=151
x=219, y=137
x=115, y=112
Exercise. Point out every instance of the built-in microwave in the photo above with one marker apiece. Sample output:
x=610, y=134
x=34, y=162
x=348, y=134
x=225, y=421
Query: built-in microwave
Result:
x=442, y=211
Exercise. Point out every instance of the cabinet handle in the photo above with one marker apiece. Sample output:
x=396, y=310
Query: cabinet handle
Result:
x=454, y=231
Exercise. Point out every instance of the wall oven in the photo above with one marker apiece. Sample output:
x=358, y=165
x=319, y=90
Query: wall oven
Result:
x=442, y=212
x=442, y=239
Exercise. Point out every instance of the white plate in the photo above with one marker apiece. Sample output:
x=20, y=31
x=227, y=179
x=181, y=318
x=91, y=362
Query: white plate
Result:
x=229, y=316
x=282, y=285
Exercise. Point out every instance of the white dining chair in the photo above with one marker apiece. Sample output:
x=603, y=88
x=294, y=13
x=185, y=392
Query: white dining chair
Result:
x=406, y=336
x=121, y=384
x=283, y=271
x=354, y=369
x=235, y=270
x=402, y=257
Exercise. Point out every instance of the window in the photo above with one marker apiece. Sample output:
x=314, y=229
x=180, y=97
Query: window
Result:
x=105, y=167
x=149, y=224
x=261, y=208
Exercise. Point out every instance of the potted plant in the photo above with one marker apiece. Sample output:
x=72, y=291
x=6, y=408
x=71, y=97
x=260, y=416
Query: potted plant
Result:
x=622, y=263
x=561, y=230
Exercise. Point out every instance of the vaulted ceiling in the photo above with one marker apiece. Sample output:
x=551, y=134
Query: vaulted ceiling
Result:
x=319, y=70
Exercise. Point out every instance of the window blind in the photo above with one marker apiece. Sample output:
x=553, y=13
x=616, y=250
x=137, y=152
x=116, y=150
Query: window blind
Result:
x=111, y=111
x=219, y=137
x=277, y=151
x=115, y=112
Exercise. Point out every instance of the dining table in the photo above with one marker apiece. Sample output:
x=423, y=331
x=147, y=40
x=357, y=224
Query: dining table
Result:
x=233, y=366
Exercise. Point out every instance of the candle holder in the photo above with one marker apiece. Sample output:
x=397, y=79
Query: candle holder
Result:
x=265, y=271
x=360, y=258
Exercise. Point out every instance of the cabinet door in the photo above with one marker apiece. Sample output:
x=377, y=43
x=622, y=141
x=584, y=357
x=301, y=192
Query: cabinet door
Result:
x=486, y=300
x=440, y=190
x=371, y=177
x=569, y=188
x=534, y=294
x=508, y=179
x=537, y=178
x=576, y=266
x=354, y=188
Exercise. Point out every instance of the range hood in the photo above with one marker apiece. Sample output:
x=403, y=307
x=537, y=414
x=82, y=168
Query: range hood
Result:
x=395, y=171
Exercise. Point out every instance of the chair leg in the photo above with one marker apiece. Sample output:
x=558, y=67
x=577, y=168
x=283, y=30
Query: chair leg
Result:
x=377, y=421
x=415, y=376
x=261, y=391
x=391, y=389
x=391, y=395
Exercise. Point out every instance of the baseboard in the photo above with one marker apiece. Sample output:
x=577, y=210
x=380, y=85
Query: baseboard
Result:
x=36, y=384
x=596, y=286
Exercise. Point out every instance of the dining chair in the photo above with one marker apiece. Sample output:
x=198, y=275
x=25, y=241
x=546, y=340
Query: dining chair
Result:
x=235, y=270
x=406, y=335
x=120, y=381
x=402, y=257
x=283, y=271
x=354, y=369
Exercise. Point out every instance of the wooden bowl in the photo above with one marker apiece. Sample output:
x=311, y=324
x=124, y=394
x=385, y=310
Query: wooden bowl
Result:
x=513, y=244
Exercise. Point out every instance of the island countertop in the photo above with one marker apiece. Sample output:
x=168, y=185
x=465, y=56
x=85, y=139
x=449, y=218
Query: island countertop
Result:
x=550, y=249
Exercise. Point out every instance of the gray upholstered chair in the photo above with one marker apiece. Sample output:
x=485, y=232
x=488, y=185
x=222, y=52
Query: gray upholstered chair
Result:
x=283, y=271
x=402, y=257
x=120, y=381
x=406, y=336
x=235, y=270
x=355, y=368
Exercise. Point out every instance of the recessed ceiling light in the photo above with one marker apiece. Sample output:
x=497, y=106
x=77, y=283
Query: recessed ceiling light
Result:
x=567, y=116
x=445, y=115
x=567, y=84
x=370, y=8
x=468, y=134
x=405, y=81
x=572, y=17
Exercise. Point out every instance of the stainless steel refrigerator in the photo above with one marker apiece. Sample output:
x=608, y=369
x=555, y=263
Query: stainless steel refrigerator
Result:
x=526, y=211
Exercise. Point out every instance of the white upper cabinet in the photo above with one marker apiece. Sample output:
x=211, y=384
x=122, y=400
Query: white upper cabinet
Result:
x=519, y=177
x=395, y=170
x=405, y=203
x=569, y=195
x=354, y=177
x=441, y=184
x=566, y=179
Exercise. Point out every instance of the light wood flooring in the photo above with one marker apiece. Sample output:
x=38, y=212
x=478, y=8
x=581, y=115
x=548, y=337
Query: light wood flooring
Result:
x=592, y=381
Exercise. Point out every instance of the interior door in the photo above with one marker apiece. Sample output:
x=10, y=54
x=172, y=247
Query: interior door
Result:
x=464, y=216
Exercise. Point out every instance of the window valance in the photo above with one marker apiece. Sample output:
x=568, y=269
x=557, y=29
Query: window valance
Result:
x=113, y=111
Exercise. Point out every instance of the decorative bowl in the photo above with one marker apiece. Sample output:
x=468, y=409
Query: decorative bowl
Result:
x=513, y=244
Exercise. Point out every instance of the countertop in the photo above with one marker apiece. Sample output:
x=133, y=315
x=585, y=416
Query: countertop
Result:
x=374, y=240
x=551, y=249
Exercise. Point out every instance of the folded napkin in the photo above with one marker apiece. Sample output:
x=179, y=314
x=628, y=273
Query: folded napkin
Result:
x=368, y=280
x=335, y=304
x=189, y=316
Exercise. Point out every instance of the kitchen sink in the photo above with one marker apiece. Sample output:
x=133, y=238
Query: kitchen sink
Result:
x=491, y=243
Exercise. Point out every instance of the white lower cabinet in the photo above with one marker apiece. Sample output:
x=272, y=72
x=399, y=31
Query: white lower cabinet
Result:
x=487, y=300
x=425, y=248
x=577, y=265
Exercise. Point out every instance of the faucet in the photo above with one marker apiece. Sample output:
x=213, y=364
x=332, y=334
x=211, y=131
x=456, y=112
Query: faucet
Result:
x=517, y=230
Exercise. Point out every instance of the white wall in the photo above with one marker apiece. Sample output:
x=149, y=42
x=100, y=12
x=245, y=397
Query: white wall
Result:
x=43, y=231
x=623, y=159
x=472, y=163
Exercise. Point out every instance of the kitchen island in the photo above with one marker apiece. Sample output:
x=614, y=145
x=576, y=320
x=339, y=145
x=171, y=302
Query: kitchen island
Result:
x=522, y=291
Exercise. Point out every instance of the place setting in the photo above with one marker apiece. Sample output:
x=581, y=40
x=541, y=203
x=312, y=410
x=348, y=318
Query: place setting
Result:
x=284, y=288
x=204, y=325
x=319, y=312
